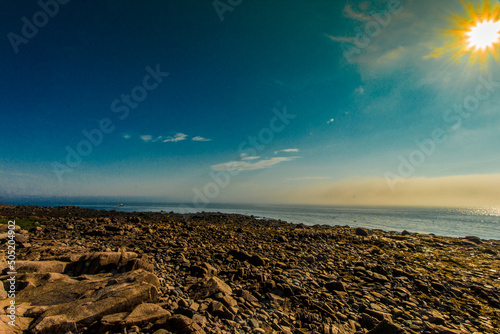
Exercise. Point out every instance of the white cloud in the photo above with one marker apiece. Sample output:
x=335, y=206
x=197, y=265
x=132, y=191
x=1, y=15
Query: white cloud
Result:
x=331, y=120
x=146, y=138
x=245, y=165
x=288, y=150
x=178, y=137
x=246, y=157
x=126, y=136
x=360, y=90
x=198, y=138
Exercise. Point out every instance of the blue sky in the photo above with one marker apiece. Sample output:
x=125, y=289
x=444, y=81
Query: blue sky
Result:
x=330, y=125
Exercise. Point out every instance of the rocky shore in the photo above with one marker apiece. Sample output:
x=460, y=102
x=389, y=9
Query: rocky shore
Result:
x=90, y=271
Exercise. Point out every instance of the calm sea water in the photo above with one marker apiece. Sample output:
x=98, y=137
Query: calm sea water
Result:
x=455, y=222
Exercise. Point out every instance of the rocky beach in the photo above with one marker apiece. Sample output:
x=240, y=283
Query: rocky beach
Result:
x=93, y=271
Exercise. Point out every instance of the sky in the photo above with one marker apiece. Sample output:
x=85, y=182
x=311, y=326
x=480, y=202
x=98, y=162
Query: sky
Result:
x=319, y=102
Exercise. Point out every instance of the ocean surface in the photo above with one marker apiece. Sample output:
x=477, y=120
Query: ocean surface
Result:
x=454, y=222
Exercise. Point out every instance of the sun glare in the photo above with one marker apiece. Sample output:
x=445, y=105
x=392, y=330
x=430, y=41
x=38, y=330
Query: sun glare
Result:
x=474, y=34
x=484, y=35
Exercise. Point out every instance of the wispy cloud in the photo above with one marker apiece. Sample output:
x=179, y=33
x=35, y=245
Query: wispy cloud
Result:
x=245, y=157
x=126, y=136
x=246, y=166
x=331, y=120
x=288, y=150
x=198, y=138
x=342, y=39
x=178, y=137
x=147, y=138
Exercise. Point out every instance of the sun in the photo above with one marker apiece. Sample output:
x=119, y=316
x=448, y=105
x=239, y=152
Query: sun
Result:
x=474, y=35
x=484, y=35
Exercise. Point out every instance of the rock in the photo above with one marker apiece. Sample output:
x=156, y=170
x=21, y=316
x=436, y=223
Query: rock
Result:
x=310, y=258
x=246, y=295
x=3, y=293
x=199, y=319
x=20, y=326
x=257, y=261
x=57, y=288
x=282, y=238
x=274, y=298
x=183, y=325
x=254, y=323
x=36, y=311
x=367, y=321
x=144, y=313
x=211, y=269
x=54, y=324
x=198, y=271
x=78, y=302
x=204, y=270
x=380, y=278
x=362, y=232
x=446, y=330
x=378, y=314
x=210, y=287
x=94, y=263
x=387, y=327
x=336, y=286
x=114, y=299
x=474, y=239
x=162, y=331
x=219, y=310
x=111, y=320
x=20, y=238
x=239, y=255
x=142, y=263
x=228, y=301
x=40, y=266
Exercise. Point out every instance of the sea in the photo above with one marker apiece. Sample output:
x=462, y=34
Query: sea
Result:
x=453, y=222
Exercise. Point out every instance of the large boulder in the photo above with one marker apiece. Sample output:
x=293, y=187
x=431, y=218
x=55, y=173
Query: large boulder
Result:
x=94, y=263
x=84, y=300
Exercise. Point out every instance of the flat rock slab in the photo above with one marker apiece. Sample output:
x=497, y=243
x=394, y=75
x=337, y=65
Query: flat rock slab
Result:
x=87, y=299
